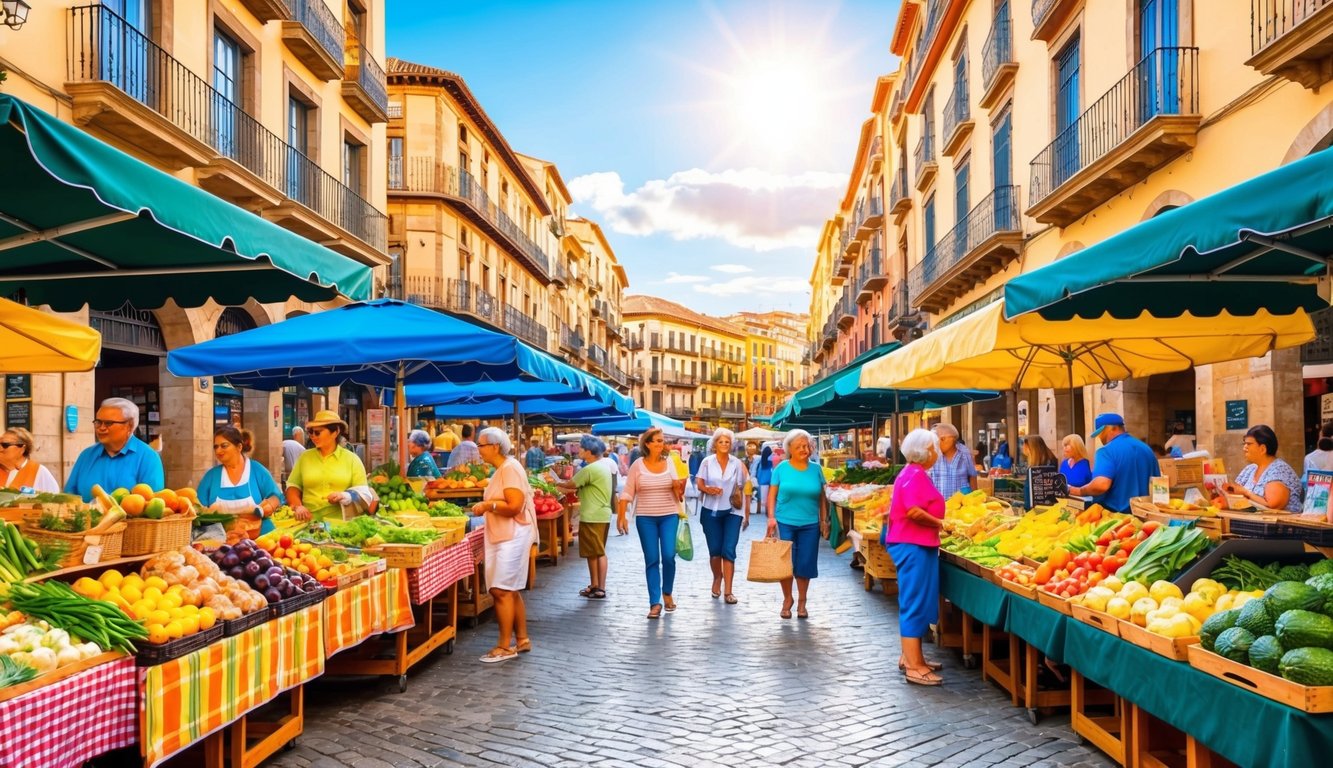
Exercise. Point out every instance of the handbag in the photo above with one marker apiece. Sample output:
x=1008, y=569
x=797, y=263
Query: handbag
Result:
x=770, y=561
x=737, y=498
x=684, y=541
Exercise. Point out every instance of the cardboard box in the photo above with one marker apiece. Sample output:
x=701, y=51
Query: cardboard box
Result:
x=1182, y=473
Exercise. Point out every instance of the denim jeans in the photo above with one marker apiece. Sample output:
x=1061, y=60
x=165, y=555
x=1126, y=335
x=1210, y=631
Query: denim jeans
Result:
x=657, y=536
x=722, y=530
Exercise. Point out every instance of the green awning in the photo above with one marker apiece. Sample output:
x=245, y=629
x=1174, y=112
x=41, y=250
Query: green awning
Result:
x=82, y=222
x=1262, y=244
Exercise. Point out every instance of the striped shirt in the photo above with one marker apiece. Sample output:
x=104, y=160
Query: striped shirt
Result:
x=653, y=493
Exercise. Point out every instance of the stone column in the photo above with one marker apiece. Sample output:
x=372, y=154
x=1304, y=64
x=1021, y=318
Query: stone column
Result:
x=187, y=428
x=1273, y=391
x=258, y=408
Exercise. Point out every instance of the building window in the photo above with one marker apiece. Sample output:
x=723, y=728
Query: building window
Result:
x=354, y=155
x=960, y=201
x=227, y=58
x=301, y=178
x=928, y=223
x=1066, y=112
x=396, y=167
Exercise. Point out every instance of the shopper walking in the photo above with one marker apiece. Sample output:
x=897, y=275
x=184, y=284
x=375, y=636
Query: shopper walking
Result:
x=763, y=475
x=656, y=492
x=511, y=527
x=798, y=512
x=913, y=540
x=595, y=485
x=721, y=481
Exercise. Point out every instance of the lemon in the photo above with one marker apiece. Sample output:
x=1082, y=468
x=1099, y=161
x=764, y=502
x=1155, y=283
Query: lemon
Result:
x=207, y=618
x=190, y=624
x=152, y=593
x=157, y=634
x=158, y=616
x=130, y=592
x=90, y=588
x=156, y=581
x=175, y=630
x=112, y=578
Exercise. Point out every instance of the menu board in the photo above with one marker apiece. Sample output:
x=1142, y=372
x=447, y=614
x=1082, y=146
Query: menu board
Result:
x=18, y=386
x=1045, y=486
x=18, y=413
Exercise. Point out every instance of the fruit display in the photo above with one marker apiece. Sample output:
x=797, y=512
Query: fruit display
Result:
x=88, y=619
x=229, y=597
x=1286, y=630
x=1245, y=574
x=304, y=557
x=1037, y=533
x=1017, y=573
x=465, y=476
x=966, y=509
x=443, y=508
x=143, y=501
x=247, y=562
x=366, y=531
x=982, y=553
x=168, y=611
x=29, y=649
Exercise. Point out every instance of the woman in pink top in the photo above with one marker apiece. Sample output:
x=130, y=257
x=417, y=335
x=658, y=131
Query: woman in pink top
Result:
x=912, y=536
x=510, y=532
x=656, y=491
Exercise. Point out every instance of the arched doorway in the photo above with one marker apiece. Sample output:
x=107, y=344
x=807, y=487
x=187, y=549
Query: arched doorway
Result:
x=133, y=347
x=228, y=401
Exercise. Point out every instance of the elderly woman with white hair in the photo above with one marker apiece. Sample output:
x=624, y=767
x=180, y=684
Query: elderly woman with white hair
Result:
x=418, y=447
x=725, y=510
x=511, y=526
x=955, y=470
x=798, y=512
x=912, y=537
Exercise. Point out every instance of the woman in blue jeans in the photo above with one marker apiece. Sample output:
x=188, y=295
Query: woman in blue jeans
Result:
x=798, y=511
x=656, y=492
x=721, y=475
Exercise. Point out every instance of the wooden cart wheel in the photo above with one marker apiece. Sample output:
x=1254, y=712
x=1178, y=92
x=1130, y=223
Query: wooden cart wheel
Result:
x=870, y=582
x=1033, y=716
x=402, y=683
x=291, y=745
x=449, y=648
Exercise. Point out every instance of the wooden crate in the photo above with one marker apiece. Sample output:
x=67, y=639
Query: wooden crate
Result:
x=878, y=564
x=1307, y=698
x=407, y=555
x=1103, y=621
x=1018, y=589
x=14, y=691
x=1170, y=647
x=1054, y=602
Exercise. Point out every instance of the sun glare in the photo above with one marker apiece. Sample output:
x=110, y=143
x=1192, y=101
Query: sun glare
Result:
x=775, y=102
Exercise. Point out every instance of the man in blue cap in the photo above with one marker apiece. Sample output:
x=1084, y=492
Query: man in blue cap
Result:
x=1124, y=465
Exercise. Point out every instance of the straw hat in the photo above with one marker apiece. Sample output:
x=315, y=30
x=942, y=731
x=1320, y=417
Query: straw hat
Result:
x=325, y=418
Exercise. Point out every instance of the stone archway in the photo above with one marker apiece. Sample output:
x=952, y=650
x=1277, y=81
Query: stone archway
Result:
x=1317, y=134
x=1168, y=200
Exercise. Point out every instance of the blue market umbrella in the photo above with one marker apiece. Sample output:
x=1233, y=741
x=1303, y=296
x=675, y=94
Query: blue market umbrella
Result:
x=383, y=343
x=642, y=421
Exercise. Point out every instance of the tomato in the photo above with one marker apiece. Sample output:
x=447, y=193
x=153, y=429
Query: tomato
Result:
x=1078, y=573
x=1151, y=525
x=285, y=542
x=1095, y=560
x=1129, y=546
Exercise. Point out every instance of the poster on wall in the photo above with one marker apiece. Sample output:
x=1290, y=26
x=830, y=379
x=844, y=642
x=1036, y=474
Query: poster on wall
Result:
x=375, y=436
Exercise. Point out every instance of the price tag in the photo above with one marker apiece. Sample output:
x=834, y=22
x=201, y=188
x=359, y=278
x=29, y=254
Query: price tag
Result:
x=93, y=554
x=1160, y=489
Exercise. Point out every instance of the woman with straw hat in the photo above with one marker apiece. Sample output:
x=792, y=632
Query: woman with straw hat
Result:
x=329, y=473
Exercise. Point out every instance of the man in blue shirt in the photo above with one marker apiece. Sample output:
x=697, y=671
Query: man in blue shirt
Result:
x=119, y=460
x=535, y=458
x=1124, y=465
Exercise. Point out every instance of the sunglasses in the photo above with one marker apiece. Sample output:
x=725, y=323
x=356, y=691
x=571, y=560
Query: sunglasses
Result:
x=11, y=445
x=483, y=445
x=106, y=423
x=316, y=431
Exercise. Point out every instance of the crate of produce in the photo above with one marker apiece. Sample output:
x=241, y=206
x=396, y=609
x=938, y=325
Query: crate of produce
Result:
x=878, y=564
x=233, y=627
x=1054, y=602
x=297, y=602
x=75, y=545
x=407, y=555
x=353, y=576
x=149, y=655
x=1286, y=551
x=1103, y=621
x=1170, y=647
x=144, y=536
x=1030, y=592
x=1307, y=698
x=68, y=670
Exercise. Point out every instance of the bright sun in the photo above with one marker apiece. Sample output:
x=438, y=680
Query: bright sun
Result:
x=775, y=102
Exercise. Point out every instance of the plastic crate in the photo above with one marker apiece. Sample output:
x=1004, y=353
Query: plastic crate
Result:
x=149, y=655
x=1321, y=536
x=233, y=627
x=296, y=603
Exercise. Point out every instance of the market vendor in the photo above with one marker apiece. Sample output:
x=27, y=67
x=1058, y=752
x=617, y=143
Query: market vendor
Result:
x=418, y=447
x=1123, y=466
x=1267, y=480
x=239, y=485
x=327, y=474
x=120, y=459
x=18, y=470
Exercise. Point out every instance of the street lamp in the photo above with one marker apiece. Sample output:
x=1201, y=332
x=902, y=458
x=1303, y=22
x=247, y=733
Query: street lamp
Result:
x=13, y=13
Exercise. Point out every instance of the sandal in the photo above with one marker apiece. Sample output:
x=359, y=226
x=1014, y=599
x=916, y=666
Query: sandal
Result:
x=524, y=646
x=731, y=599
x=655, y=612
x=669, y=602
x=598, y=593
x=498, y=654
x=786, y=609
x=927, y=678
x=933, y=666
x=586, y=591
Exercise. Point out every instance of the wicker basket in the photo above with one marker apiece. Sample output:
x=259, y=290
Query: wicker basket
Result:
x=146, y=537
x=112, y=543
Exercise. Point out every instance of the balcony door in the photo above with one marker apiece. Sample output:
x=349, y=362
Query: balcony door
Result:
x=1002, y=150
x=227, y=93
x=1159, y=58
x=1066, y=113
x=298, y=142
x=960, y=210
x=126, y=47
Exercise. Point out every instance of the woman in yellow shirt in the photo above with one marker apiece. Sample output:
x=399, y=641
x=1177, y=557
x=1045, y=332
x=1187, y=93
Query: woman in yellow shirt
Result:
x=327, y=474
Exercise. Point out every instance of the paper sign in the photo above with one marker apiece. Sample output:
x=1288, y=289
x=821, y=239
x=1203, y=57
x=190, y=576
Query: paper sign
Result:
x=92, y=554
x=1160, y=488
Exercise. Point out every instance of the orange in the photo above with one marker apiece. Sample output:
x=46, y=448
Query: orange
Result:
x=207, y=618
x=133, y=504
x=169, y=497
x=143, y=489
x=158, y=617
x=188, y=493
x=175, y=630
x=111, y=578
x=190, y=624
x=131, y=593
x=89, y=587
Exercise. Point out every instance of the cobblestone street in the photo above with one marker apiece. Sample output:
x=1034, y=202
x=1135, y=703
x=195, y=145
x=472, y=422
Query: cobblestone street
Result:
x=711, y=684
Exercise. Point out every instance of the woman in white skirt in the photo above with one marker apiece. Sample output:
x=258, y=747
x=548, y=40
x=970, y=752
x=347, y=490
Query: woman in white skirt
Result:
x=510, y=531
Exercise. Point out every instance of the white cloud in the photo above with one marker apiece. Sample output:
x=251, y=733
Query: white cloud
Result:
x=732, y=269
x=752, y=285
x=748, y=208
x=675, y=277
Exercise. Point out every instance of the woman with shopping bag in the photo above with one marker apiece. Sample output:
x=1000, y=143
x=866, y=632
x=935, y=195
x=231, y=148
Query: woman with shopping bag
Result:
x=656, y=490
x=912, y=536
x=725, y=510
x=798, y=512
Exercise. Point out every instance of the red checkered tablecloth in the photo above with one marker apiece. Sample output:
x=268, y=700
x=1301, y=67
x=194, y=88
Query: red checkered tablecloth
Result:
x=73, y=720
x=441, y=571
x=477, y=541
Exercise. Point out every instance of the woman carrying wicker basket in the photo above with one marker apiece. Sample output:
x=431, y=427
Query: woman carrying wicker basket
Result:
x=239, y=485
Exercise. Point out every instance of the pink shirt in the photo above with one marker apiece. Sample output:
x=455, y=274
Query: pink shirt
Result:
x=913, y=488
x=653, y=493
x=510, y=474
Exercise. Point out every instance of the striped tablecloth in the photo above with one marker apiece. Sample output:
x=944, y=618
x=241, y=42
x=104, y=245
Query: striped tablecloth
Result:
x=188, y=698
x=444, y=569
x=73, y=720
x=354, y=614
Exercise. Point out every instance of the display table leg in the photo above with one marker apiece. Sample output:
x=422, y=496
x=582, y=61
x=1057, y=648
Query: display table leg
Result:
x=949, y=630
x=436, y=625
x=548, y=529
x=1034, y=698
x=1199, y=756
x=1155, y=744
x=476, y=598
x=969, y=641
x=252, y=740
x=1002, y=669
x=1109, y=733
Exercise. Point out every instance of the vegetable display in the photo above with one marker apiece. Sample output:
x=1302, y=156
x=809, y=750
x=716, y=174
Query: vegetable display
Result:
x=1164, y=553
x=14, y=672
x=247, y=562
x=20, y=556
x=168, y=611
x=94, y=621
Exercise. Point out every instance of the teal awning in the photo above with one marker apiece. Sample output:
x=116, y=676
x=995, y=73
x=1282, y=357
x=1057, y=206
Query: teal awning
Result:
x=82, y=222
x=1262, y=244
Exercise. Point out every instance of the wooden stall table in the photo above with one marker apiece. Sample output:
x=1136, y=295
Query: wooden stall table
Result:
x=474, y=595
x=979, y=602
x=433, y=593
x=68, y=721
x=548, y=528
x=1041, y=631
x=1111, y=733
x=210, y=693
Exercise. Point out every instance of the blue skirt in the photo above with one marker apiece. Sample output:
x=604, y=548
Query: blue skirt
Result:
x=918, y=587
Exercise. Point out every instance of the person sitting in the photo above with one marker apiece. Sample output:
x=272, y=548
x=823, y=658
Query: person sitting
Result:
x=418, y=447
x=1267, y=480
x=119, y=459
x=1001, y=459
x=18, y=471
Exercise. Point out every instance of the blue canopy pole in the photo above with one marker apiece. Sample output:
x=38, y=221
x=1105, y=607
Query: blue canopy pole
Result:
x=400, y=405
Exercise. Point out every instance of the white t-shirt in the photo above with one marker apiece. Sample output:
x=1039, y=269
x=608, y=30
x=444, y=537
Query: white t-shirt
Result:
x=616, y=480
x=1184, y=442
x=710, y=471
x=1319, y=460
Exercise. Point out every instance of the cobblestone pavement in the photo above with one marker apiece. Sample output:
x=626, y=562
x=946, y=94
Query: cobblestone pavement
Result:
x=710, y=684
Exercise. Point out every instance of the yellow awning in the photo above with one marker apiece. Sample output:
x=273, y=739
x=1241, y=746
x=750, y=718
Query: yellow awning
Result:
x=984, y=351
x=32, y=341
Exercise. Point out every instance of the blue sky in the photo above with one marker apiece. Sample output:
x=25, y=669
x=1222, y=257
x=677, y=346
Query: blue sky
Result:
x=710, y=139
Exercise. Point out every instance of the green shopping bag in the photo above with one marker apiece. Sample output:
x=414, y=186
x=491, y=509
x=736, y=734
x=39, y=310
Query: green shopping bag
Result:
x=684, y=541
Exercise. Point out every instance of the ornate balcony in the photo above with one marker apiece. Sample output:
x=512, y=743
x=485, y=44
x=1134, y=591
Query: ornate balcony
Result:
x=876, y=154
x=315, y=36
x=957, y=120
x=979, y=246
x=871, y=274
x=872, y=217
x=524, y=327
x=1293, y=39
x=1049, y=17
x=597, y=355
x=1147, y=119
x=997, y=61
x=363, y=85
x=676, y=379
x=924, y=159
x=570, y=341
x=900, y=201
x=846, y=313
x=456, y=296
x=901, y=319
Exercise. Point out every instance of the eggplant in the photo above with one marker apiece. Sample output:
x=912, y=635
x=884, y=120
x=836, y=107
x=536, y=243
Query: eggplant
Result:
x=260, y=583
x=272, y=595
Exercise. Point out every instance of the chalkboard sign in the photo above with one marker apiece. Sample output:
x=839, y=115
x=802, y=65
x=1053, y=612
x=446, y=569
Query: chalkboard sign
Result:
x=18, y=386
x=18, y=413
x=1238, y=414
x=1045, y=486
